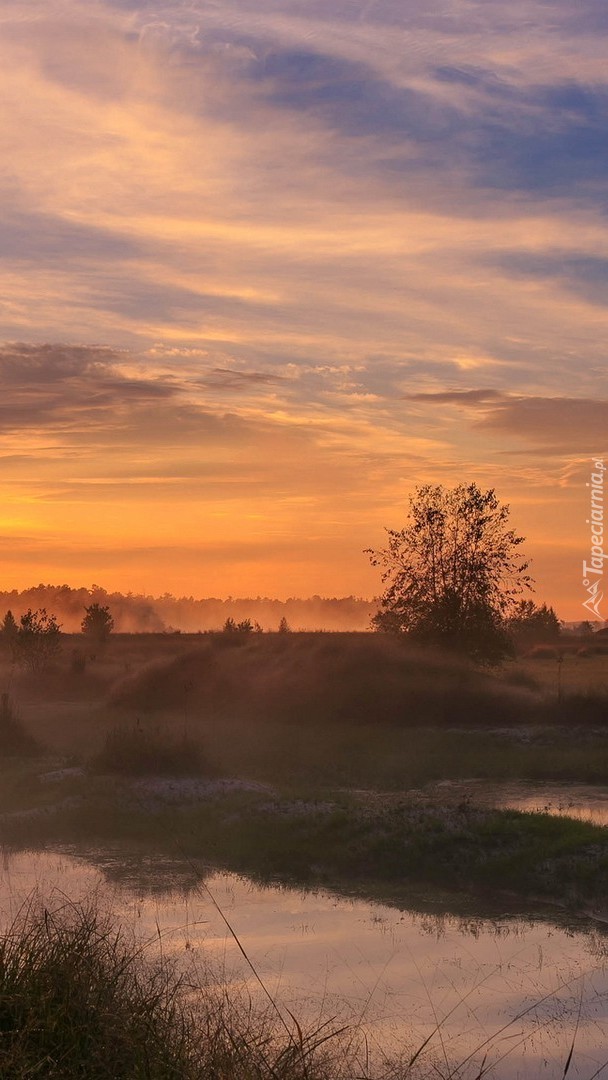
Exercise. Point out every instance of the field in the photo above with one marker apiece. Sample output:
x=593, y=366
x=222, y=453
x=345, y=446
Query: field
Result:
x=352, y=737
x=341, y=761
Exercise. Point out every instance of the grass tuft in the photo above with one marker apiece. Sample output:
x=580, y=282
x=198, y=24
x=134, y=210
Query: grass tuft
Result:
x=80, y=999
x=137, y=750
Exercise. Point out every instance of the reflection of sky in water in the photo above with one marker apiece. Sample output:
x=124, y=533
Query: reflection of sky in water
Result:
x=582, y=801
x=395, y=971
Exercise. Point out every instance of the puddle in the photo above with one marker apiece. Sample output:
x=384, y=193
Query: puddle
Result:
x=510, y=983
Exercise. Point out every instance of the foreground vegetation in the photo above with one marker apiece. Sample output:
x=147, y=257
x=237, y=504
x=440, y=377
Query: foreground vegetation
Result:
x=80, y=999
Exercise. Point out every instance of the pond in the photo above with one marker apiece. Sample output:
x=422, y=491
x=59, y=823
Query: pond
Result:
x=515, y=985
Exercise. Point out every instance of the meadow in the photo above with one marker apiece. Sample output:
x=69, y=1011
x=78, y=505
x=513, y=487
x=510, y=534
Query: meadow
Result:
x=357, y=723
x=341, y=761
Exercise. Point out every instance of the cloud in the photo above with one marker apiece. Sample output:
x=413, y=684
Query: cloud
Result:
x=302, y=257
x=584, y=274
x=69, y=389
x=547, y=425
x=471, y=398
x=231, y=379
x=569, y=424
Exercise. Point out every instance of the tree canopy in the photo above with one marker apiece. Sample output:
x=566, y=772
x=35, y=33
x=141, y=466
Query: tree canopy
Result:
x=38, y=640
x=453, y=575
x=98, y=623
x=533, y=625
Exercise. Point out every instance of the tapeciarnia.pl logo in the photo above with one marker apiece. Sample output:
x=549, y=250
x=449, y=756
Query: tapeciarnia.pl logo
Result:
x=593, y=571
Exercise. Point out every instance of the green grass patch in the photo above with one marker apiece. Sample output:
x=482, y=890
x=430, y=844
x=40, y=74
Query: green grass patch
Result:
x=314, y=758
x=350, y=844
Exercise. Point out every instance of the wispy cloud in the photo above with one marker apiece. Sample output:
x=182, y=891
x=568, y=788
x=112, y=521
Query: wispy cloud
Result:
x=301, y=255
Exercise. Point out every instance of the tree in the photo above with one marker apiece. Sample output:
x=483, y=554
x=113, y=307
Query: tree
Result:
x=38, y=640
x=532, y=625
x=97, y=624
x=284, y=627
x=10, y=633
x=244, y=627
x=453, y=575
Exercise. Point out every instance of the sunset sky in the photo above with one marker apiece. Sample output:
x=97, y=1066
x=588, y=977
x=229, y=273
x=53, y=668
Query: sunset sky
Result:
x=266, y=265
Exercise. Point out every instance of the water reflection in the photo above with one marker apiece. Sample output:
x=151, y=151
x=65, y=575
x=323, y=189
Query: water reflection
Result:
x=584, y=802
x=399, y=971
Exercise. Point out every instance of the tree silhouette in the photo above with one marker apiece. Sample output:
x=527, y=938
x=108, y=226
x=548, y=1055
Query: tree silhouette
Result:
x=38, y=640
x=453, y=575
x=246, y=626
x=97, y=624
x=10, y=633
x=532, y=625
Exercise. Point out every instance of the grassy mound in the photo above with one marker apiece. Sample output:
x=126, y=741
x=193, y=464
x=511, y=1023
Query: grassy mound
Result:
x=329, y=678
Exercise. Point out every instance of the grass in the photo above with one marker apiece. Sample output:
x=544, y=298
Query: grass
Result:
x=79, y=999
x=312, y=715
x=315, y=757
x=376, y=848
x=326, y=679
x=139, y=750
x=82, y=1000
x=15, y=739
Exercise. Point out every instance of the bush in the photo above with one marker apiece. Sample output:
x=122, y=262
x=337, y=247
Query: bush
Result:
x=38, y=640
x=142, y=751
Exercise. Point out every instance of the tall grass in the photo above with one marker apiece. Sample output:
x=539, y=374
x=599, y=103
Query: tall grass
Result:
x=143, y=750
x=15, y=739
x=79, y=999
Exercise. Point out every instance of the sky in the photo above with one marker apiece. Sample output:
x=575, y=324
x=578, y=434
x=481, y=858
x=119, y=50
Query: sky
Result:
x=268, y=265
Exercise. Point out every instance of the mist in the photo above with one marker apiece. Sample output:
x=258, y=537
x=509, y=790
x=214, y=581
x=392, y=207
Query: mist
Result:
x=138, y=614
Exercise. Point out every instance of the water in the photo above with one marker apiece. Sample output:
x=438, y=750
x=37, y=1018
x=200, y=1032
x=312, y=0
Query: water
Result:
x=585, y=802
x=581, y=801
x=395, y=973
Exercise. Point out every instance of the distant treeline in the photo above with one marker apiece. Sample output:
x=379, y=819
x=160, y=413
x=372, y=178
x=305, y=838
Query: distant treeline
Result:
x=134, y=613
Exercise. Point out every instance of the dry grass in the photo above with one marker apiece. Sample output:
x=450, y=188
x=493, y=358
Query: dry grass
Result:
x=79, y=999
x=322, y=678
x=144, y=750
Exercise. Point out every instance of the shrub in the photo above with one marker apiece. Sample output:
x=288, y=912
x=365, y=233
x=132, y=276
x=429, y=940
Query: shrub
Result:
x=145, y=751
x=38, y=640
x=97, y=624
